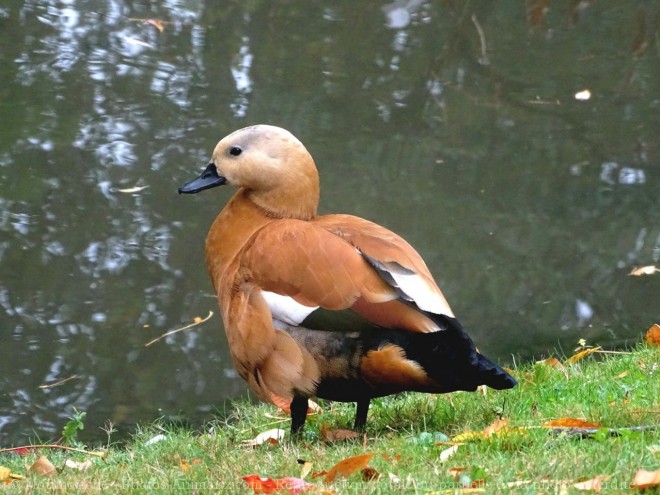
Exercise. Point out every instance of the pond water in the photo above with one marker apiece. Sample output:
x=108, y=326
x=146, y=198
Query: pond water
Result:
x=516, y=148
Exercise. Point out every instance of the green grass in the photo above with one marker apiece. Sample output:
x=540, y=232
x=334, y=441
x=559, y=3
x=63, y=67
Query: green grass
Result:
x=614, y=391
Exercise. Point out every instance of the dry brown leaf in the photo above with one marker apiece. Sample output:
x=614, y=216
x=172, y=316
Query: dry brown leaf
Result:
x=43, y=467
x=272, y=437
x=646, y=479
x=644, y=270
x=581, y=355
x=369, y=474
x=330, y=436
x=592, y=484
x=569, y=423
x=551, y=361
x=348, y=466
x=652, y=336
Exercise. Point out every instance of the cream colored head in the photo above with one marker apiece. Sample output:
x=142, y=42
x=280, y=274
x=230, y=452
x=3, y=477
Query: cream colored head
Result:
x=273, y=167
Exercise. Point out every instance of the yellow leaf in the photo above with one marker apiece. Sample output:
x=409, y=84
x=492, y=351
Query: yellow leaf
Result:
x=306, y=469
x=622, y=375
x=581, y=355
x=468, y=436
x=5, y=472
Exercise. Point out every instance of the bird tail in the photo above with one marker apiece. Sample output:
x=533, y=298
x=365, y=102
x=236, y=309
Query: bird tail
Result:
x=450, y=358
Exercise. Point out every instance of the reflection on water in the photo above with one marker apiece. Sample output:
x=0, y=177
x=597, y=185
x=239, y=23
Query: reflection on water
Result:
x=455, y=124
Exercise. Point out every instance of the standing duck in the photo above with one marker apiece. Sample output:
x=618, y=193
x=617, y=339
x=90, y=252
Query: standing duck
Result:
x=330, y=306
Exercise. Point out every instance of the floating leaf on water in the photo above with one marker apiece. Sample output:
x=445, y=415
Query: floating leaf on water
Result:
x=644, y=270
x=131, y=190
x=157, y=23
x=583, y=95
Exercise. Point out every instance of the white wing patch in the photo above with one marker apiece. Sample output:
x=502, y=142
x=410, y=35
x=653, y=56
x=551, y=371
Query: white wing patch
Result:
x=285, y=309
x=426, y=297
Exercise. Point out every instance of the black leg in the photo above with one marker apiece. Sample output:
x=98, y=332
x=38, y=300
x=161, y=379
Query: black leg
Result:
x=361, y=414
x=298, y=413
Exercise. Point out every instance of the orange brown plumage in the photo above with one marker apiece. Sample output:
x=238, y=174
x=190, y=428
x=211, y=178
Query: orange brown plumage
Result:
x=333, y=306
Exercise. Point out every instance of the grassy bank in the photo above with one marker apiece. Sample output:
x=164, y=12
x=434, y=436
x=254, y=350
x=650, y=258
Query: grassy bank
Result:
x=410, y=438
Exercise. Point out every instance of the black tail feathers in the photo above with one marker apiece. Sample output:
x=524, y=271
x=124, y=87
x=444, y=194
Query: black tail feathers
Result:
x=451, y=359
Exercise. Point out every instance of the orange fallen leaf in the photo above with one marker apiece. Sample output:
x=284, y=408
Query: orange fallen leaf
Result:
x=157, y=23
x=646, y=479
x=455, y=472
x=495, y=427
x=592, y=484
x=644, y=270
x=43, y=467
x=551, y=361
x=581, y=355
x=348, y=466
x=652, y=336
x=569, y=423
x=269, y=485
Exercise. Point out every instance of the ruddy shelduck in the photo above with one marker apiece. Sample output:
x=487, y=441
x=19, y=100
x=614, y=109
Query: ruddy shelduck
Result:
x=330, y=306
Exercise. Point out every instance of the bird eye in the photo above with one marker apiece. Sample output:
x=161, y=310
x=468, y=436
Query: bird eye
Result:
x=235, y=151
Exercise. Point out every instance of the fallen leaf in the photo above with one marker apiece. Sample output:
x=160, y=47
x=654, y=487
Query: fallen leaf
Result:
x=591, y=485
x=622, y=374
x=155, y=439
x=269, y=485
x=569, y=423
x=185, y=467
x=306, y=468
x=536, y=11
x=394, y=478
x=495, y=427
x=447, y=453
x=269, y=436
x=131, y=190
x=369, y=474
x=581, y=355
x=644, y=270
x=285, y=405
x=80, y=466
x=455, y=472
x=337, y=435
x=136, y=42
x=43, y=467
x=157, y=23
x=5, y=472
x=348, y=466
x=646, y=479
x=652, y=336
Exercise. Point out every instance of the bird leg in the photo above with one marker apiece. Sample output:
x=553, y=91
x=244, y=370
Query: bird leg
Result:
x=360, y=414
x=298, y=407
